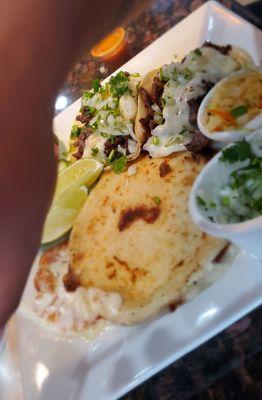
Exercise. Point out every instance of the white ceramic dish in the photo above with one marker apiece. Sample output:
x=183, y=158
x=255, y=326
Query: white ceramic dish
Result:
x=248, y=234
x=123, y=357
x=225, y=136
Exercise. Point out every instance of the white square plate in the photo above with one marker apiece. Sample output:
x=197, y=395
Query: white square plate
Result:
x=123, y=357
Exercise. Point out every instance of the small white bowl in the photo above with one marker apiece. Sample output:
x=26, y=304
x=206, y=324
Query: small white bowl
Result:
x=226, y=136
x=247, y=234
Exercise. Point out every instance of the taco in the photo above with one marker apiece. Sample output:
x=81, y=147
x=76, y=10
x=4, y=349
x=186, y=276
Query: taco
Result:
x=169, y=98
x=104, y=129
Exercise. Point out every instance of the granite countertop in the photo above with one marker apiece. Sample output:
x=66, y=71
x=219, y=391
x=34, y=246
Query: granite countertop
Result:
x=229, y=366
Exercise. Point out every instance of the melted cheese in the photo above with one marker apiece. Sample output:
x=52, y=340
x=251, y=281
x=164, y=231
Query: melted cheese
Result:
x=186, y=80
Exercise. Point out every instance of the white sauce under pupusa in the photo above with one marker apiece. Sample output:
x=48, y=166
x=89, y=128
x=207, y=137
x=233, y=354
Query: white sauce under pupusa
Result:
x=77, y=312
x=73, y=311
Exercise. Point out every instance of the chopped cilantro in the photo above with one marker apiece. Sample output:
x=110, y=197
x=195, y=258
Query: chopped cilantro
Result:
x=173, y=140
x=225, y=200
x=104, y=91
x=183, y=131
x=119, y=164
x=239, y=151
x=88, y=94
x=116, y=112
x=91, y=110
x=198, y=52
x=119, y=84
x=75, y=131
x=157, y=200
x=65, y=154
x=94, y=151
x=238, y=111
x=156, y=140
x=111, y=155
x=240, y=198
x=175, y=72
x=94, y=126
x=200, y=201
x=252, y=172
x=187, y=74
x=107, y=136
x=161, y=76
x=96, y=85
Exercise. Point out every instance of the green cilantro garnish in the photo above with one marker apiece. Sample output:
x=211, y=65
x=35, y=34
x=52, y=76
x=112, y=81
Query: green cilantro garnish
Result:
x=200, y=201
x=253, y=172
x=94, y=151
x=187, y=74
x=157, y=200
x=107, y=136
x=75, y=131
x=173, y=140
x=183, y=131
x=116, y=112
x=198, y=52
x=119, y=84
x=240, y=198
x=94, y=126
x=96, y=85
x=225, y=200
x=111, y=155
x=88, y=94
x=119, y=164
x=175, y=73
x=156, y=140
x=91, y=110
x=161, y=76
x=240, y=151
x=238, y=111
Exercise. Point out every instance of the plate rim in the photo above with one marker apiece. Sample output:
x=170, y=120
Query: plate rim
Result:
x=209, y=7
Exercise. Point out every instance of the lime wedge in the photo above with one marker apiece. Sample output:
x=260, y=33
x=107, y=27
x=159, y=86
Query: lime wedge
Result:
x=62, y=213
x=70, y=196
x=81, y=172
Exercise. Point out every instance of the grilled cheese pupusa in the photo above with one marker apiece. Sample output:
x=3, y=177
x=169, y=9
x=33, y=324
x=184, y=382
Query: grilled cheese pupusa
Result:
x=135, y=237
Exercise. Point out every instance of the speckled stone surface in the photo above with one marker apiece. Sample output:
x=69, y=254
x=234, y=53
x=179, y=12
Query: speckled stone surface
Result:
x=152, y=23
x=229, y=366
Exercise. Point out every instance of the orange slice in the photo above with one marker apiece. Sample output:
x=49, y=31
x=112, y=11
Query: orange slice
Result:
x=111, y=44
